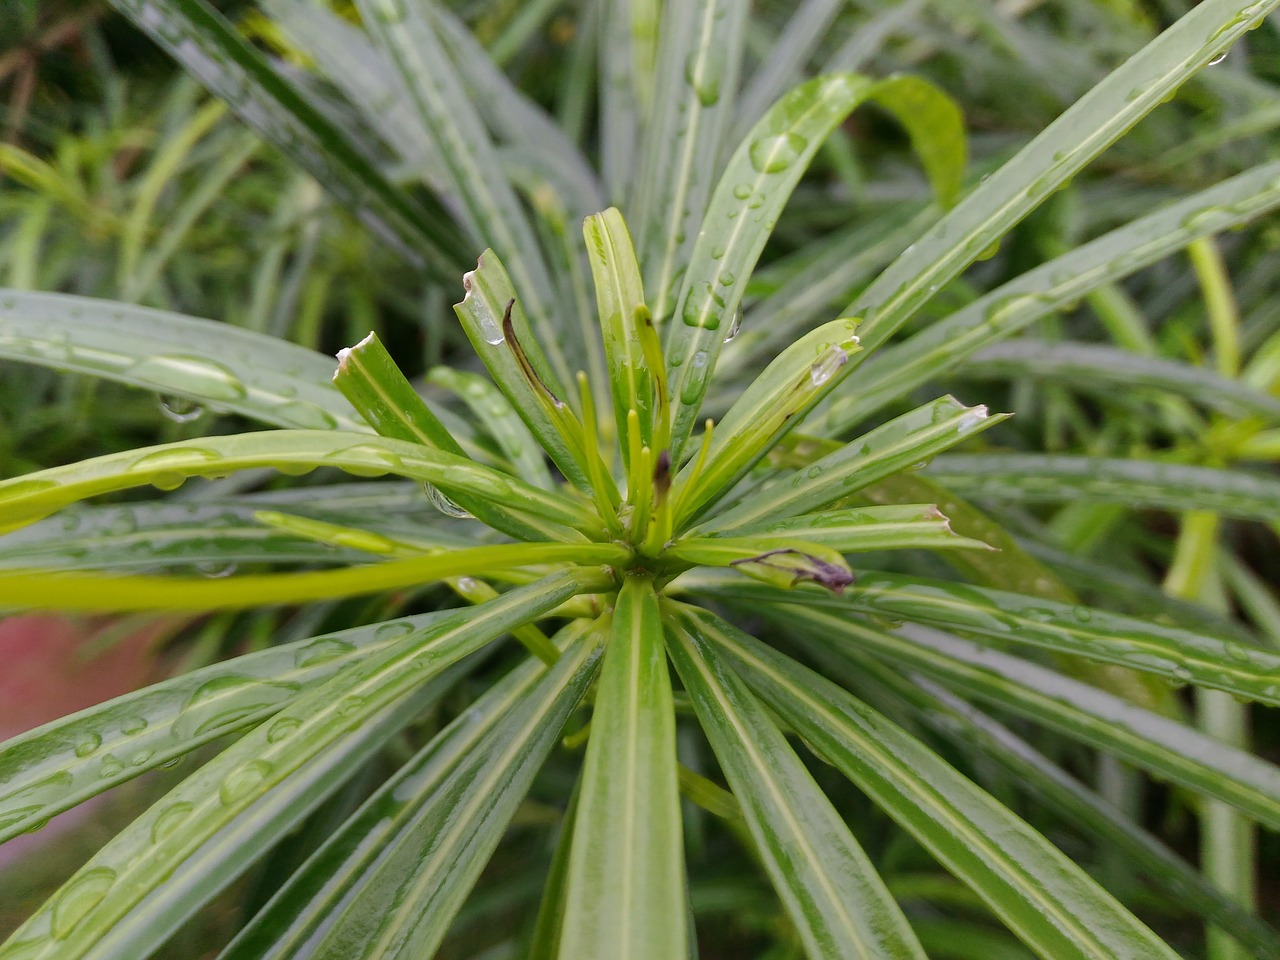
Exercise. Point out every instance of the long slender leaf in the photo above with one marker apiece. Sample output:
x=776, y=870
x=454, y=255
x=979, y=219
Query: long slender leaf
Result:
x=755, y=186
x=208, y=47
x=1049, y=902
x=125, y=901
x=900, y=368
x=254, y=375
x=1170, y=750
x=834, y=896
x=388, y=883
x=1053, y=157
x=495, y=218
x=1136, y=483
x=1110, y=371
x=168, y=465
x=896, y=527
x=700, y=44
x=625, y=895
x=62, y=763
x=1036, y=775
x=897, y=445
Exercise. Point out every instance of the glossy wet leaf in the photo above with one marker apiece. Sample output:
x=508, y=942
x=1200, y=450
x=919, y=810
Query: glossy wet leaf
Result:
x=897, y=445
x=146, y=879
x=390, y=881
x=1049, y=902
x=1013, y=477
x=215, y=364
x=38, y=494
x=625, y=889
x=832, y=893
x=198, y=37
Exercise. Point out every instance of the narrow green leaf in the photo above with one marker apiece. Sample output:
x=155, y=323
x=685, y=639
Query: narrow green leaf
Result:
x=141, y=885
x=900, y=368
x=389, y=882
x=624, y=321
x=832, y=893
x=1182, y=656
x=784, y=561
x=539, y=397
x=494, y=216
x=778, y=400
x=1110, y=371
x=1040, y=894
x=1169, y=750
x=895, y=527
x=897, y=445
x=373, y=383
x=755, y=186
x=1013, y=477
x=699, y=54
x=209, y=537
x=65, y=762
x=499, y=418
x=198, y=37
x=257, y=376
x=626, y=884
x=166, y=466
x=27, y=589
x=1058, y=153
x=1049, y=785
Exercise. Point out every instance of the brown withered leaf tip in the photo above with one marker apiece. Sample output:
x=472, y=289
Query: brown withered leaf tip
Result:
x=832, y=576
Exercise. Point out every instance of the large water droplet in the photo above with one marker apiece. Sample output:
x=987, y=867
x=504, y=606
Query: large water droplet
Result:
x=88, y=745
x=188, y=375
x=393, y=630
x=215, y=569
x=169, y=819
x=444, y=504
x=775, y=154
x=735, y=326
x=1219, y=58
x=825, y=367
x=282, y=728
x=243, y=780
x=224, y=701
x=322, y=651
x=704, y=69
x=180, y=409
x=77, y=898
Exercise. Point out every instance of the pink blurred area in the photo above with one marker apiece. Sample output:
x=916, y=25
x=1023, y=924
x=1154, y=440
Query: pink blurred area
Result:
x=51, y=666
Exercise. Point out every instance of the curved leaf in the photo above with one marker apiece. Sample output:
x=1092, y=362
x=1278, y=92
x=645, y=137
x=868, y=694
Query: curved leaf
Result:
x=166, y=466
x=146, y=880
x=390, y=880
x=198, y=37
x=254, y=375
x=60, y=764
x=834, y=896
x=1013, y=477
x=1049, y=902
x=625, y=895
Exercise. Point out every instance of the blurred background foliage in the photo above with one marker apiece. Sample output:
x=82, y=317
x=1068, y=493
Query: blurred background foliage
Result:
x=121, y=178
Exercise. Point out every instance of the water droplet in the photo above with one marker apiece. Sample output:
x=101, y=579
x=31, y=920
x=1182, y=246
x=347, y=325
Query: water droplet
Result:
x=735, y=326
x=775, y=154
x=742, y=191
x=1083, y=614
x=78, y=897
x=825, y=367
x=322, y=651
x=110, y=766
x=307, y=416
x=282, y=728
x=699, y=360
x=189, y=375
x=444, y=504
x=88, y=745
x=243, y=780
x=141, y=757
x=215, y=570
x=393, y=630
x=350, y=705
x=704, y=69
x=1219, y=58
x=225, y=701
x=180, y=409
x=169, y=819
x=131, y=726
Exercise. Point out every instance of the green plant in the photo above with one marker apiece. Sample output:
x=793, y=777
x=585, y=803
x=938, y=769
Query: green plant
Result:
x=645, y=542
